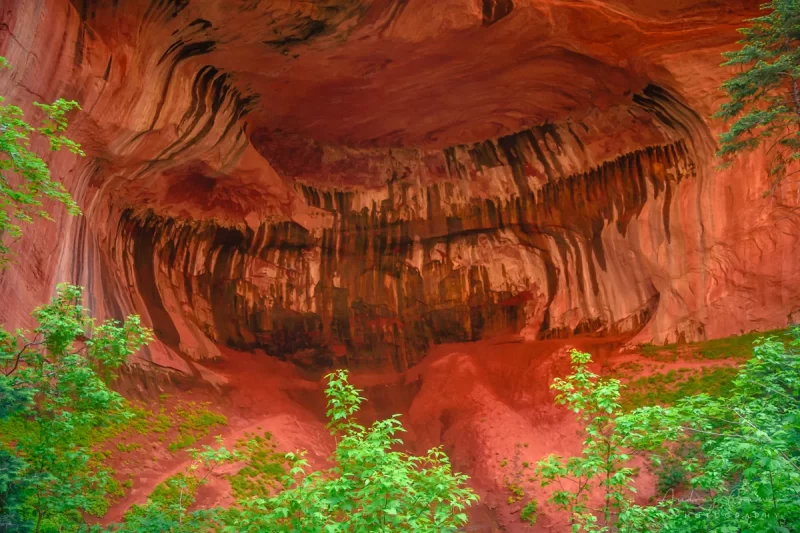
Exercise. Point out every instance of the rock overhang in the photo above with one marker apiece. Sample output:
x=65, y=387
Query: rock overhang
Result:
x=357, y=180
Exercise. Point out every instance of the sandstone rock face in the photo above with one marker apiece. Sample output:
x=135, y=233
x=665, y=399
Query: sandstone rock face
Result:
x=346, y=182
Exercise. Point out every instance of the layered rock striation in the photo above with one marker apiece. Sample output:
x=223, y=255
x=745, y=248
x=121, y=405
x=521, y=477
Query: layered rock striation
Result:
x=348, y=182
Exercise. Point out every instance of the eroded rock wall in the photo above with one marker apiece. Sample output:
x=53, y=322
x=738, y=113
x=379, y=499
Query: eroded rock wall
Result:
x=349, y=182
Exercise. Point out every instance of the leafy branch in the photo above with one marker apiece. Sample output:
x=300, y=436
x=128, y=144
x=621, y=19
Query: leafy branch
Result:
x=25, y=179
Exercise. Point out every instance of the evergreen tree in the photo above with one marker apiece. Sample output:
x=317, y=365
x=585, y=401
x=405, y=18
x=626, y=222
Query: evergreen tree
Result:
x=764, y=98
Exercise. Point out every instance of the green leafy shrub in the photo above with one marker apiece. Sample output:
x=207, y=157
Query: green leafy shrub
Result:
x=25, y=179
x=371, y=487
x=264, y=470
x=529, y=512
x=747, y=471
x=167, y=508
x=605, y=462
x=54, y=396
x=739, y=452
x=195, y=421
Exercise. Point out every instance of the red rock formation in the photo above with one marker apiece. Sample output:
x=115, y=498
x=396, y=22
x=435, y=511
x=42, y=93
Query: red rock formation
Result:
x=349, y=181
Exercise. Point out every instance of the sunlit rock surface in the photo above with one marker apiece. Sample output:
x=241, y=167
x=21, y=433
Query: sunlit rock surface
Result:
x=350, y=182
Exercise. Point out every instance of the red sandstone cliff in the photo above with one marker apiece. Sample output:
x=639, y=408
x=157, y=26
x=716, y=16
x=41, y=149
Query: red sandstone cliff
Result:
x=358, y=179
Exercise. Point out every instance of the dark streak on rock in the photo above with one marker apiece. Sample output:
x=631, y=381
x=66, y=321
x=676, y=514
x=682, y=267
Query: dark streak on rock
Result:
x=144, y=253
x=185, y=51
x=494, y=10
x=203, y=23
x=303, y=31
x=163, y=10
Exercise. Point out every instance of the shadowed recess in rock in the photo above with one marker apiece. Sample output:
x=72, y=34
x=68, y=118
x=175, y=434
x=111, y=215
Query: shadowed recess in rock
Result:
x=376, y=288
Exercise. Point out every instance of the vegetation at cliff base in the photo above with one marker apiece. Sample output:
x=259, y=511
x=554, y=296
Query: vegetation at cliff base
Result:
x=372, y=486
x=56, y=406
x=737, y=455
x=54, y=397
x=726, y=463
x=764, y=96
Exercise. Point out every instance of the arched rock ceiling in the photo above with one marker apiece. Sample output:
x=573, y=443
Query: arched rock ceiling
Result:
x=400, y=73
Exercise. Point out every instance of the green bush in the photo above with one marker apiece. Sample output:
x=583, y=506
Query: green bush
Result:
x=371, y=487
x=529, y=512
x=738, y=452
x=23, y=202
x=54, y=399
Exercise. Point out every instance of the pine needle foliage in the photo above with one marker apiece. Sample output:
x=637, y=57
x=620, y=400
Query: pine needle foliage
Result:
x=764, y=97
